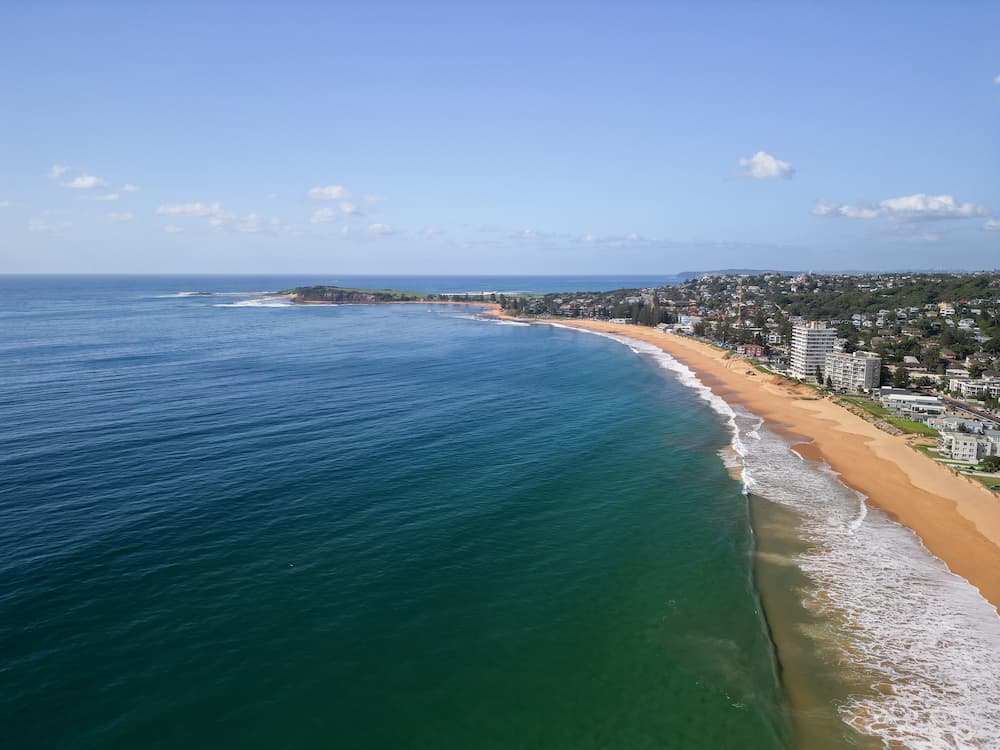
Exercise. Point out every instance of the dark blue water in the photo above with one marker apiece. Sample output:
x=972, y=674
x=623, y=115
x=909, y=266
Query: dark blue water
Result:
x=359, y=526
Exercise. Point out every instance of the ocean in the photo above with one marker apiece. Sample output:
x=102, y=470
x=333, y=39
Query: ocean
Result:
x=230, y=521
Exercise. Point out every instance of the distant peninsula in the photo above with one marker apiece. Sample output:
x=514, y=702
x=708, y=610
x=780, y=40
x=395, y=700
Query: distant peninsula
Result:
x=323, y=294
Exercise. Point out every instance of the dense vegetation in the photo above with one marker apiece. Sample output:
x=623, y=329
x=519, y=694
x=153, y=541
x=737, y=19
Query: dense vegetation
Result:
x=346, y=294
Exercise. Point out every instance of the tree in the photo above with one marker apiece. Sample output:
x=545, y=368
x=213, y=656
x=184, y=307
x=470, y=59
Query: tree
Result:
x=900, y=378
x=829, y=382
x=990, y=463
x=819, y=374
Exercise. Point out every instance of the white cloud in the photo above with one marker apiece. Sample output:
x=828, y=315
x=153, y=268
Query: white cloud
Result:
x=5, y=204
x=218, y=218
x=57, y=171
x=993, y=225
x=122, y=216
x=251, y=223
x=923, y=206
x=189, y=209
x=371, y=198
x=173, y=229
x=128, y=187
x=826, y=208
x=996, y=80
x=85, y=182
x=350, y=209
x=763, y=166
x=248, y=224
x=328, y=193
x=40, y=225
x=322, y=216
x=432, y=232
x=108, y=197
x=380, y=230
x=916, y=207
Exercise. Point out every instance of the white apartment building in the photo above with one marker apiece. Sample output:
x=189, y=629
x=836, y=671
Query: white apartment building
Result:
x=987, y=387
x=810, y=345
x=856, y=372
x=909, y=405
x=962, y=446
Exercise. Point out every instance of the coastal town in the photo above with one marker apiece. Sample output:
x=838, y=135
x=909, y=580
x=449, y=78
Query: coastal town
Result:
x=915, y=354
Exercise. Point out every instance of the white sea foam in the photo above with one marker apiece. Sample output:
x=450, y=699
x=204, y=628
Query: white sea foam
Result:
x=263, y=302
x=926, y=637
x=209, y=294
x=494, y=321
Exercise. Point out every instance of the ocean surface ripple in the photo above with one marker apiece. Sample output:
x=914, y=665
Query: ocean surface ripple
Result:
x=356, y=526
x=927, y=639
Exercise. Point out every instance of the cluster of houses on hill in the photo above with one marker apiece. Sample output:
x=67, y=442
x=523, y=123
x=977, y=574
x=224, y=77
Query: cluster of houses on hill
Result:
x=925, y=346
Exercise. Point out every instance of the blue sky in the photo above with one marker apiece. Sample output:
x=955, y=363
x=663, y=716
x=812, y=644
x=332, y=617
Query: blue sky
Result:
x=498, y=138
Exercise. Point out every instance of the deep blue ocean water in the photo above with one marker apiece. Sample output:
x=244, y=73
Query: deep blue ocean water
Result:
x=389, y=526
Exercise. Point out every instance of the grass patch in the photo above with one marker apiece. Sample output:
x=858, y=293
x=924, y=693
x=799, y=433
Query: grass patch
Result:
x=915, y=428
x=930, y=453
x=991, y=483
x=868, y=405
x=906, y=425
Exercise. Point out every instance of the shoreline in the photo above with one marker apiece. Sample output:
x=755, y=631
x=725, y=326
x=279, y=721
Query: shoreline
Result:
x=492, y=309
x=957, y=521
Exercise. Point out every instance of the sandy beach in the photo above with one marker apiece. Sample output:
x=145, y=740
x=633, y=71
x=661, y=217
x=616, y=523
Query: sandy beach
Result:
x=957, y=519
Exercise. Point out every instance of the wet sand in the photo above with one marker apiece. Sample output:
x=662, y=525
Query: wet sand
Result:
x=957, y=520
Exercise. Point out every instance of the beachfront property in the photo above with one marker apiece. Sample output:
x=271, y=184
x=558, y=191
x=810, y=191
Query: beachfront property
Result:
x=956, y=424
x=916, y=407
x=751, y=350
x=969, y=447
x=855, y=372
x=810, y=345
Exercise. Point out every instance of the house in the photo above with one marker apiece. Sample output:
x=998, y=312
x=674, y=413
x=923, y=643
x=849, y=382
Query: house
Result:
x=909, y=405
x=750, y=350
x=956, y=424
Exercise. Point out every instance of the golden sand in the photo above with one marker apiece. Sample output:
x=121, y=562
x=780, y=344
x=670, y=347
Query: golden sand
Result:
x=957, y=519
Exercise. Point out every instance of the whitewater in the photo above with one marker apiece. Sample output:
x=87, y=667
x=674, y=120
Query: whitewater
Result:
x=926, y=638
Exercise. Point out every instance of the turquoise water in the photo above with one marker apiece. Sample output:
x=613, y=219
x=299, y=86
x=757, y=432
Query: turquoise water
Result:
x=225, y=525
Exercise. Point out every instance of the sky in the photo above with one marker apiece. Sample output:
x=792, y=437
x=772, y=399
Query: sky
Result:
x=498, y=138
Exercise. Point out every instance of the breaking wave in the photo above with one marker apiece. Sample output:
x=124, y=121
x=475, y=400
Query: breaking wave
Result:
x=926, y=638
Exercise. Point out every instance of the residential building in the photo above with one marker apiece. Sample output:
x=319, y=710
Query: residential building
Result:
x=969, y=447
x=961, y=446
x=810, y=345
x=750, y=350
x=987, y=387
x=855, y=372
x=913, y=406
x=956, y=424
